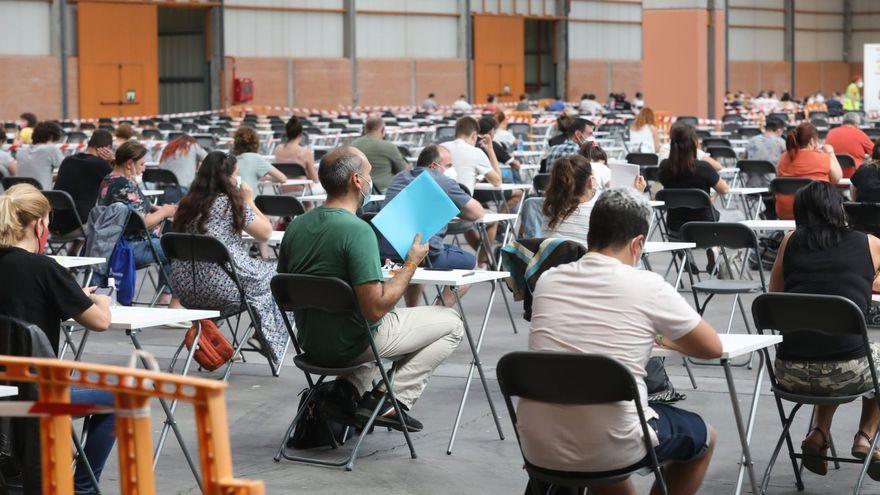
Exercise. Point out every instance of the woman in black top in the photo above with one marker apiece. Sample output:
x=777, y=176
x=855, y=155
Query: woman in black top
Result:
x=682, y=170
x=825, y=256
x=865, y=186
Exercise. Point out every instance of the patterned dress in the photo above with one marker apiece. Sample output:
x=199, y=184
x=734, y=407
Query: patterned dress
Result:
x=215, y=289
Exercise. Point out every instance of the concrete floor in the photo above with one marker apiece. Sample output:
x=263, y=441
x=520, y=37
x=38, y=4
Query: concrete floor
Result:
x=260, y=408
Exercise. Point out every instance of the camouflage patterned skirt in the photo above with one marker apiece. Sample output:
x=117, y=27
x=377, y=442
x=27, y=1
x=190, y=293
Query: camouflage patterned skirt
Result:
x=831, y=378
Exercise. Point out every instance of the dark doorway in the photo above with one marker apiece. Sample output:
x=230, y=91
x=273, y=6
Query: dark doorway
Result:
x=540, y=63
x=184, y=56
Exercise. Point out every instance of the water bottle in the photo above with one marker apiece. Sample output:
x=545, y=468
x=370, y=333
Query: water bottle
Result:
x=111, y=283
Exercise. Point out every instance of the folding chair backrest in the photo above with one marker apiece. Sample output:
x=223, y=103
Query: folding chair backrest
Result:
x=780, y=116
x=206, y=141
x=756, y=167
x=748, y=132
x=789, y=313
x=540, y=183
x=721, y=152
x=294, y=292
x=555, y=377
x=651, y=174
x=733, y=117
x=521, y=130
x=136, y=226
x=152, y=134
x=864, y=217
x=444, y=133
x=291, y=170
x=279, y=206
x=161, y=177
x=788, y=185
x=716, y=142
x=643, y=159
x=689, y=120
x=845, y=160
x=11, y=181
x=61, y=202
x=194, y=247
x=719, y=234
x=691, y=199
x=76, y=137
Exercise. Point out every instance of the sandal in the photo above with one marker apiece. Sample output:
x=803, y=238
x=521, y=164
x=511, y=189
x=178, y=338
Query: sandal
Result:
x=814, y=454
x=860, y=452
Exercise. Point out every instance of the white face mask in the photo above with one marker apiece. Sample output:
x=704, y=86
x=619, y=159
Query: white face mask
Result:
x=860, y=84
x=820, y=99
x=451, y=173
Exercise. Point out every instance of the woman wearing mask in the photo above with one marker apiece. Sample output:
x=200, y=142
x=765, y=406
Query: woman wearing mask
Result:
x=804, y=157
x=220, y=205
x=45, y=294
x=643, y=136
x=121, y=186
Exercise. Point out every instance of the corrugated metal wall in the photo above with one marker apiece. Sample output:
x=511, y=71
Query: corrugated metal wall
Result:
x=280, y=33
x=183, y=65
x=25, y=27
x=383, y=35
x=605, y=31
x=866, y=26
x=756, y=35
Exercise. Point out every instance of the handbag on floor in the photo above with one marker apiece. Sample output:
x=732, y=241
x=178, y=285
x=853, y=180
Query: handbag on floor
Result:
x=213, y=350
x=331, y=400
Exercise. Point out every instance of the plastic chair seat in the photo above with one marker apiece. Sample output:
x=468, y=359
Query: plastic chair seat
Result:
x=727, y=286
x=814, y=399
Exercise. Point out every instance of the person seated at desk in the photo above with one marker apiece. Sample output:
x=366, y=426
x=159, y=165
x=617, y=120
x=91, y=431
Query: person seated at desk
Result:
x=865, y=186
x=331, y=241
x=8, y=165
x=768, y=146
x=570, y=198
x=293, y=151
x=598, y=163
x=437, y=161
x=825, y=256
x=39, y=160
x=26, y=124
x=38, y=290
x=602, y=304
x=643, y=137
x=502, y=134
x=120, y=186
x=577, y=133
x=182, y=157
x=487, y=127
x=684, y=170
x=123, y=134
x=849, y=139
x=804, y=157
x=219, y=205
x=384, y=156
x=252, y=167
x=80, y=175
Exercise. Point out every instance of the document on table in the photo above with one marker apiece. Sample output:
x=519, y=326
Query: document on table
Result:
x=421, y=207
x=623, y=174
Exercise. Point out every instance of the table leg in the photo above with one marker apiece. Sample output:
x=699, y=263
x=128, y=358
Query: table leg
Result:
x=745, y=433
x=169, y=417
x=475, y=350
x=187, y=362
x=484, y=236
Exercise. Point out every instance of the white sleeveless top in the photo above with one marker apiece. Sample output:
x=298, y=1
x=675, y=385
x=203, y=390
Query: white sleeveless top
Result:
x=641, y=141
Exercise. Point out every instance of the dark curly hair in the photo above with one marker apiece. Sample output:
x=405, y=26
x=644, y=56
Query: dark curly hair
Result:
x=213, y=179
x=245, y=140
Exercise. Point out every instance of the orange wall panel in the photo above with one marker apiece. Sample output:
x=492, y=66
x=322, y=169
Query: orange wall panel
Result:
x=775, y=76
x=587, y=77
x=835, y=77
x=675, y=61
x=744, y=76
x=118, y=50
x=625, y=77
x=445, y=78
x=499, y=56
x=30, y=84
x=269, y=76
x=807, y=78
x=385, y=82
x=321, y=83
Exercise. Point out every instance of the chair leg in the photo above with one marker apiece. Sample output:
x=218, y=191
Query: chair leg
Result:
x=784, y=437
x=293, y=423
x=81, y=457
x=868, y=459
x=690, y=372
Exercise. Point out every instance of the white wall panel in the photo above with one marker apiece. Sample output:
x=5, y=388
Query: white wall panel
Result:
x=258, y=33
x=756, y=45
x=316, y=4
x=445, y=6
x=405, y=36
x=598, y=41
x=539, y=7
x=25, y=28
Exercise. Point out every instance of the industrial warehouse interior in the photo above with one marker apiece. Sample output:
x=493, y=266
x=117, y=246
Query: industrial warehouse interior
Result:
x=538, y=247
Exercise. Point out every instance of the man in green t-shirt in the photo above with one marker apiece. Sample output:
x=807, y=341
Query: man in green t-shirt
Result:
x=331, y=241
x=384, y=157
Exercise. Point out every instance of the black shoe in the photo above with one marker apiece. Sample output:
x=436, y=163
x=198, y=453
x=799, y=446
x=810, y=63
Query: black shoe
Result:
x=387, y=414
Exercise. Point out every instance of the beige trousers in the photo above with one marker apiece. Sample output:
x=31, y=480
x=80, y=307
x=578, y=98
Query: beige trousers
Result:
x=418, y=339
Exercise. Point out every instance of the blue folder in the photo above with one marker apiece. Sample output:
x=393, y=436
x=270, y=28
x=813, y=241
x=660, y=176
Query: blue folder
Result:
x=421, y=207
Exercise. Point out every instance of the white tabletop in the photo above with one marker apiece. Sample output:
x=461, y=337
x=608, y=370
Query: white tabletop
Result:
x=452, y=278
x=733, y=345
x=274, y=239
x=8, y=391
x=136, y=317
x=746, y=191
x=656, y=204
x=729, y=170
x=769, y=224
x=844, y=182
x=77, y=261
x=659, y=247
x=320, y=198
x=497, y=217
x=288, y=182
x=485, y=186
x=152, y=192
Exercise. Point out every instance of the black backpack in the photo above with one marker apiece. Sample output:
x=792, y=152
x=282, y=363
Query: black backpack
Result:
x=329, y=411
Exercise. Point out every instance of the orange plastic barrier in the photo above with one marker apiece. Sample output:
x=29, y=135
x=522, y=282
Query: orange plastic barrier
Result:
x=133, y=389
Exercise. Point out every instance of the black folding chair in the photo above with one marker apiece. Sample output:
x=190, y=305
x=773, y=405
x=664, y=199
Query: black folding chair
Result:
x=831, y=316
x=291, y=170
x=687, y=119
x=12, y=181
x=540, y=183
x=682, y=201
x=846, y=162
x=62, y=204
x=819, y=122
x=555, y=378
x=279, y=206
x=721, y=152
x=716, y=142
x=137, y=229
x=166, y=181
x=749, y=132
x=76, y=137
x=733, y=117
x=643, y=159
x=521, y=131
x=151, y=135
x=788, y=186
x=294, y=292
x=444, y=133
x=864, y=217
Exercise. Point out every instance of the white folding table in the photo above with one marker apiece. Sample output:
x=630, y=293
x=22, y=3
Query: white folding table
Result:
x=289, y=182
x=747, y=195
x=454, y=279
x=320, y=198
x=734, y=346
x=70, y=262
x=152, y=192
x=769, y=225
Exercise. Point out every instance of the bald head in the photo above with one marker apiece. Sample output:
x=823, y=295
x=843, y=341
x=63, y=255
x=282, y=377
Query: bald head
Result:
x=374, y=125
x=339, y=166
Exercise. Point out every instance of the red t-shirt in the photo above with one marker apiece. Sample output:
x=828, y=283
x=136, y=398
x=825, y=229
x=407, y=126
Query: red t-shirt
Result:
x=809, y=164
x=849, y=140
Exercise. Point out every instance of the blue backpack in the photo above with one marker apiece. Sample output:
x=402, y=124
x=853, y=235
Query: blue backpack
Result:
x=122, y=268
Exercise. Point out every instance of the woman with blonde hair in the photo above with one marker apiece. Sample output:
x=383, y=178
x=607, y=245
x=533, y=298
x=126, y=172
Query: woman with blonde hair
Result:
x=41, y=292
x=643, y=136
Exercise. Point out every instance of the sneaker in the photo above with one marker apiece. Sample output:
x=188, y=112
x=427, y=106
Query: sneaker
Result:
x=387, y=414
x=259, y=344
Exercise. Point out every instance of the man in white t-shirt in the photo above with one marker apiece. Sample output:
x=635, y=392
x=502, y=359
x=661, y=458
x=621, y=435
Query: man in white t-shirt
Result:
x=601, y=304
x=589, y=105
x=461, y=105
x=470, y=161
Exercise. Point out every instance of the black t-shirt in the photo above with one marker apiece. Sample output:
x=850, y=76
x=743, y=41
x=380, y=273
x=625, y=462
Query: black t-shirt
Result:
x=557, y=139
x=704, y=178
x=40, y=291
x=500, y=153
x=80, y=176
x=867, y=183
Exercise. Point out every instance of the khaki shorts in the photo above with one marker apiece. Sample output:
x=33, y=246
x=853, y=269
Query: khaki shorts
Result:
x=829, y=378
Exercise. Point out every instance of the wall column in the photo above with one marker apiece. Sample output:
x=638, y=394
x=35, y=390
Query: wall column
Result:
x=676, y=55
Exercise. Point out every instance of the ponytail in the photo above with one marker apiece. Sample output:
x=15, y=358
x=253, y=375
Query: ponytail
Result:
x=799, y=137
x=569, y=177
x=19, y=206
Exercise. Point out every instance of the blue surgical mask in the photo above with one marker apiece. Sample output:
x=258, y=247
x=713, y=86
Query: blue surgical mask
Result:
x=366, y=196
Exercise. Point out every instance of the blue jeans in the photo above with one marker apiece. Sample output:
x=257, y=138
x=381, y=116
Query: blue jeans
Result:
x=143, y=256
x=100, y=436
x=454, y=257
